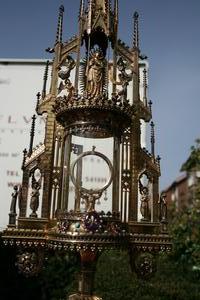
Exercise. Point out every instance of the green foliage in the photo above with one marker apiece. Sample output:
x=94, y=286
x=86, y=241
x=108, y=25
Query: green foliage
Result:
x=114, y=280
x=186, y=225
x=193, y=162
x=186, y=236
x=58, y=276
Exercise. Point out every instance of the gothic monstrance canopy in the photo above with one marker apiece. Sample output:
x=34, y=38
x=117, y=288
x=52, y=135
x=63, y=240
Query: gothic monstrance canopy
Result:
x=91, y=185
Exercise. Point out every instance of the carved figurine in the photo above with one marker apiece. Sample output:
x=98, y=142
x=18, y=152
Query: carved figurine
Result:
x=144, y=208
x=12, y=214
x=124, y=78
x=90, y=200
x=95, y=73
x=14, y=200
x=66, y=88
x=34, y=204
x=163, y=208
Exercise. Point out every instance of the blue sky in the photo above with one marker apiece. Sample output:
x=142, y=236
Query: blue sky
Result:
x=169, y=36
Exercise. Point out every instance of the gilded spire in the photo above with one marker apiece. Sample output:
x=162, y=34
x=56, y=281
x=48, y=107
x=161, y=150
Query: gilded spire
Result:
x=60, y=25
x=45, y=79
x=145, y=87
x=38, y=95
x=32, y=134
x=150, y=106
x=89, y=25
x=152, y=138
x=136, y=31
x=81, y=11
x=116, y=11
x=24, y=158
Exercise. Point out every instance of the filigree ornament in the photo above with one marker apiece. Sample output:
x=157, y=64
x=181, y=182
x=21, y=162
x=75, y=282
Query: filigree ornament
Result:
x=29, y=263
x=145, y=265
x=124, y=78
x=63, y=226
x=66, y=89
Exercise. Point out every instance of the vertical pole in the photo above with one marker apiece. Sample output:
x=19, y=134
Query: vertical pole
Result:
x=116, y=167
x=32, y=134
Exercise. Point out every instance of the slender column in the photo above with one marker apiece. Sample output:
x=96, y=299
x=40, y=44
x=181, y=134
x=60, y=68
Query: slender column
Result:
x=45, y=80
x=136, y=31
x=145, y=87
x=152, y=139
x=78, y=179
x=60, y=25
x=82, y=4
x=66, y=172
x=114, y=51
x=155, y=214
x=86, y=277
x=135, y=162
x=32, y=134
x=116, y=167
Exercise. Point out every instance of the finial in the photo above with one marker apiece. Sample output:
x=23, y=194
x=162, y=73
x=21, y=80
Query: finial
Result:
x=81, y=11
x=89, y=26
x=150, y=106
x=158, y=158
x=60, y=25
x=24, y=158
x=116, y=10
x=32, y=133
x=136, y=31
x=45, y=79
x=38, y=95
x=145, y=87
x=152, y=138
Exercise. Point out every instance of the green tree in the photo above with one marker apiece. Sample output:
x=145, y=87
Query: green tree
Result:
x=186, y=226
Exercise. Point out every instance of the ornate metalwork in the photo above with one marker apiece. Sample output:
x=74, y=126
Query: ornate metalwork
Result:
x=145, y=265
x=29, y=263
x=87, y=109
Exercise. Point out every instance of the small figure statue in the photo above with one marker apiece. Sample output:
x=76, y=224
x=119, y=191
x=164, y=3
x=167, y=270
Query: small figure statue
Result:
x=34, y=204
x=90, y=200
x=14, y=200
x=163, y=208
x=124, y=78
x=12, y=214
x=20, y=199
x=144, y=208
x=95, y=73
x=66, y=88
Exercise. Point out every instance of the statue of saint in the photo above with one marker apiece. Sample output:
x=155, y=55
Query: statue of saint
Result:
x=124, y=78
x=144, y=208
x=34, y=204
x=163, y=207
x=14, y=200
x=66, y=88
x=94, y=73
